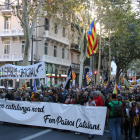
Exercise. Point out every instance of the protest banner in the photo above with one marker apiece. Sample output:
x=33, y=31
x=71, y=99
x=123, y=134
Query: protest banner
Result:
x=90, y=120
x=35, y=71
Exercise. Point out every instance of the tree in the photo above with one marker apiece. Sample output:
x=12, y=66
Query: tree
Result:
x=122, y=29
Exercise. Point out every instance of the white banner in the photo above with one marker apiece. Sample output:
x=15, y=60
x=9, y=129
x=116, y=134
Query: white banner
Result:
x=90, y=120
x=35, y=71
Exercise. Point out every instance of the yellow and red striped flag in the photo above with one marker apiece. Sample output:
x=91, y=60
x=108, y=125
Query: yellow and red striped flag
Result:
x=24, y=86
x=92, y=45
x=136, y=119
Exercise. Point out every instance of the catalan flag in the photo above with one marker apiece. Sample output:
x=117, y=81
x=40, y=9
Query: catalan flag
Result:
x=136, y=119
x=92, y=45
x=24, y=86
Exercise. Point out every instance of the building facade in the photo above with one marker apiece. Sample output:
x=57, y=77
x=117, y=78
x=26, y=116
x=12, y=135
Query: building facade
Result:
x=51, y=44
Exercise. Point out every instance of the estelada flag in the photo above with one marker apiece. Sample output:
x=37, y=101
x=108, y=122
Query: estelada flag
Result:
x=136, y=119
x=92, y=42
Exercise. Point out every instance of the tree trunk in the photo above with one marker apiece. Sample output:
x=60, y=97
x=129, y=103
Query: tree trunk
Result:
x=81, y=69
x=117, y=75
x=109, y=75
x=26, y=52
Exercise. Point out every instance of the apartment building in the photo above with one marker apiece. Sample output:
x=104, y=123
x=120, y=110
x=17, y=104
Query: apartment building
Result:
x=51, y=45
x=74, y=55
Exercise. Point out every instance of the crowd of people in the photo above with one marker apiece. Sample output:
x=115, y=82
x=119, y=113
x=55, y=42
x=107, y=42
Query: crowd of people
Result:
x=122, y=108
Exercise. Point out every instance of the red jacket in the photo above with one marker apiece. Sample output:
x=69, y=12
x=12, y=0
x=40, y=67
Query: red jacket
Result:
x=98, y=101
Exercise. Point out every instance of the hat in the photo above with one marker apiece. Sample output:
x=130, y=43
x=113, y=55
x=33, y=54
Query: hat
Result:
x=37, y=91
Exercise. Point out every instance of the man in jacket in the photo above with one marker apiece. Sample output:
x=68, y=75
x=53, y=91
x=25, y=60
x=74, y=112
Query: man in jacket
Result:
x=128, y=113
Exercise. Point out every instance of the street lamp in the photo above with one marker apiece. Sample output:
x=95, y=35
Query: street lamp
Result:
x=33, y=39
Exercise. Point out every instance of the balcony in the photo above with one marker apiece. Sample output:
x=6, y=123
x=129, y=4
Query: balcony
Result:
x=55, y=60
x=75, y=47
x=6, y=9
x=75, y=66
x=12, y=57
x=55, y=37
x=11, y=32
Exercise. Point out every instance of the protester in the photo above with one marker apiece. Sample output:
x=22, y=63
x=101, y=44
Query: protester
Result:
x=47, y=97
x=57, y=99
x=16, y=96
x=36, y=97
x=114, y=117
x=26, y=97
x=98, y=100
x=70, y=98
x=128, y=113
x=137, y=122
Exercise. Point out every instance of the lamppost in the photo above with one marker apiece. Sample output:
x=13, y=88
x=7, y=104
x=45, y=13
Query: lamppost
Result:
x=33, y=39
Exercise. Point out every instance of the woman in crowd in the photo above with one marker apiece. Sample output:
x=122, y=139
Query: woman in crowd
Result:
x=70, y=98
x=58, y=100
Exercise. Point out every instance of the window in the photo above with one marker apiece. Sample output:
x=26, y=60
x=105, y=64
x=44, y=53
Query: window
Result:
x=22, y=46
x=46, y=49
x=47, y=24
x=63, y=53
x=55, y=29
x=8, y=23
x=6, y=47
x=55, y=51
x=63, y=31
x=111, y=69
x=78, y=59
x=72, y=57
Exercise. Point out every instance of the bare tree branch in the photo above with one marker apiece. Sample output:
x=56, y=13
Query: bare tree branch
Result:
x=35, y=16
x=18, y=13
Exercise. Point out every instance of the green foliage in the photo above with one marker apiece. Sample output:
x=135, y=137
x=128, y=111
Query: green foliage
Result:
x=121, y=22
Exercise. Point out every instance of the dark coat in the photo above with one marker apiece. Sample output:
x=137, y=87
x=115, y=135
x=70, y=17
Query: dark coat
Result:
x=131, y=113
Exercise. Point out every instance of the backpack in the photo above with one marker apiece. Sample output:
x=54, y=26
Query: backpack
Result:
x=118, y=110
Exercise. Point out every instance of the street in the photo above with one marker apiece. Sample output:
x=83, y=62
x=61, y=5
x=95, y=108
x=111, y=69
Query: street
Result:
x=20, y=132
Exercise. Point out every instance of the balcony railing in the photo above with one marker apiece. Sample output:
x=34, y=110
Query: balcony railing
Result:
x=11, y=32
x=12, y=57
x=55, y=37
x=5, y=8
x=55, y=60
x=76, y=66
